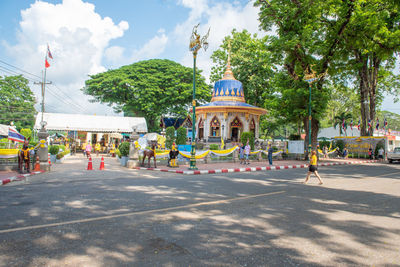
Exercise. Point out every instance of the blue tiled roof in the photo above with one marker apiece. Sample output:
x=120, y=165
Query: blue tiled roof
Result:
x=228, y=103
x=234, y=87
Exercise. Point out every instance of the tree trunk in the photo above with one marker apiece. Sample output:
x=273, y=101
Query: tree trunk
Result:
x=373, y=77
x=363, y=77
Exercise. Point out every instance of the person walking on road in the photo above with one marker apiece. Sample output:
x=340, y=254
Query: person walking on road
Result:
x=312, y=168
x=97, y=148
x=270, y=151
x=241, y=153
x=88, y=149
x=370, y=152
x=381, y=151
x=247, y=152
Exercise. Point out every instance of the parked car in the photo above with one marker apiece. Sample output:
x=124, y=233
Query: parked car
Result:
x=395, y=155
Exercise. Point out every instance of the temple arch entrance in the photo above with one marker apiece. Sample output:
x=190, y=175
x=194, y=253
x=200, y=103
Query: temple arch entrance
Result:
x=236, y=126
x=201, y=129
x=253, y=127
x=215, y=127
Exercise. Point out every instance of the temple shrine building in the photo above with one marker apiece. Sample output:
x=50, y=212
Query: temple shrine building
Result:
x=228, y=114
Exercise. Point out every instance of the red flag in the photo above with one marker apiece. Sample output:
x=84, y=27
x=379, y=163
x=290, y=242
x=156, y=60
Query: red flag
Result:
x=46, y=63
x=49, y=53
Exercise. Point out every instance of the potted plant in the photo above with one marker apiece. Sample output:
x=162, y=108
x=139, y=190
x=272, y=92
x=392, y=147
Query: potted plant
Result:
x=124, y=150
x=53, y=150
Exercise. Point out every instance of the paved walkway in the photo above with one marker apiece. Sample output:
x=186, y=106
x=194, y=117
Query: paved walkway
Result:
x=223, y=167
x=80, y=162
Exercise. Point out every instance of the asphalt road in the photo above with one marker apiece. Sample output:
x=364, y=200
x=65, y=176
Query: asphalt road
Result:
x=122, y=217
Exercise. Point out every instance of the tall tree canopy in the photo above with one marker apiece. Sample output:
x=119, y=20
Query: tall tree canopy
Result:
x=371, y=42
x=16, y=102
x=307, y=37
x=148, y=88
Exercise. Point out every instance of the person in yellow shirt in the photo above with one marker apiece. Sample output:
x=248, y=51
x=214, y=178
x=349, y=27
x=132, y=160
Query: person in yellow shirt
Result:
x=312, y=168
x=84, y=149
x=97, y=148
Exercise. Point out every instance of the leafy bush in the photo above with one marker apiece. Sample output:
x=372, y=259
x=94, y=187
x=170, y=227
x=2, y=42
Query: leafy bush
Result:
x=214, y=147
x=26, y=132
x=247, y=136
x=61, y=147
x=339, y=144
x=324, y=143
x=293, y=137
x=124, y=149
x=54, y=149
x=62, y=154
x=4, y=143
x=33, y=143
x=181, y=136
x=169, y=136
x=118, y=153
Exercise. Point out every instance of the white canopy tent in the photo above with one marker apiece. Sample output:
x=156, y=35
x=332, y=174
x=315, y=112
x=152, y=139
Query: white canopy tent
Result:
x=91, y=123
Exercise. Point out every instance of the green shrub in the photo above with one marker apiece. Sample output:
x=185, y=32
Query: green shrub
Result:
x=54, y=149
x=124, y=149
x=26, y=132
x=181, y=136
x=338, y=143
x=63, y=153
x=169, y=136
x=247, y=136
x=324, y=143
x=62, y=147
x=33, y=143
x=214, y=147
x=4, y=143
x=117, y=152
x=294, y=137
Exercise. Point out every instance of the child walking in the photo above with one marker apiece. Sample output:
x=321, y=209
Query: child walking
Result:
x=312, y=168
x=247, y=152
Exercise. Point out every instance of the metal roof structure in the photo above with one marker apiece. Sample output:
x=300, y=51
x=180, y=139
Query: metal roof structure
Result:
x=91, y=123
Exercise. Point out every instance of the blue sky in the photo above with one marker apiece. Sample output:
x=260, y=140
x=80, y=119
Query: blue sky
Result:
x=90, y=36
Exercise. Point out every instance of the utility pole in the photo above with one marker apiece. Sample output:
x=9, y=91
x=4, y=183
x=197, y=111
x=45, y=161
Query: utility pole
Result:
x=43, y=85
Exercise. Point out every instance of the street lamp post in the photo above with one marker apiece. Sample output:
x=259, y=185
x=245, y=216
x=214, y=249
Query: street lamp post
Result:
x=195, y=44
x=310, y=78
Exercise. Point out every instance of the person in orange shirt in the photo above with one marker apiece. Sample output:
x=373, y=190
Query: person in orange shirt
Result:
x=312, y=168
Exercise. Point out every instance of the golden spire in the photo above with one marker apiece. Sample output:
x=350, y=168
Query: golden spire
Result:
x=228, y=75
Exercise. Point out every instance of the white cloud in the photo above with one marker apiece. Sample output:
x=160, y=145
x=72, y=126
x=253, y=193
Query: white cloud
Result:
x=152, y=48
x=222, y=18
x=78, y=38
x=114, y=54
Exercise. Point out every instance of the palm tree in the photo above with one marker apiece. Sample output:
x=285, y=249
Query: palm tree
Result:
x=338, y=120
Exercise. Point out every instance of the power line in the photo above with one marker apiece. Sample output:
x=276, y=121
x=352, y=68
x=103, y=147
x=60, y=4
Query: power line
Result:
x=20, y=69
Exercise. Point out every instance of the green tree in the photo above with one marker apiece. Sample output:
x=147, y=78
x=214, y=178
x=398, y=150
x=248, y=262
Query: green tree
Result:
x=247, y=136
x=181, y=136
x=343, y=99
x=26, y=132
x=169, y=136
x=16, y=102
x=393, y=120
x=250, y=62
x=338, y=121
x=371, y=42
x=307, y=38
x=149, y=88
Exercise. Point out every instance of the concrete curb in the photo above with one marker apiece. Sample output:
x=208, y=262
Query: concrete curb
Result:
x=252, y=169
x=16, y=178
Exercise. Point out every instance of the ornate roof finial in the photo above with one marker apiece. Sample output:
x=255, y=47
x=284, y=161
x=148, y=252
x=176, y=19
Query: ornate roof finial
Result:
x=228, y=75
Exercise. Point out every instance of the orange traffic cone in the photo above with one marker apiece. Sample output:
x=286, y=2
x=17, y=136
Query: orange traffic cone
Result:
x=90, y=166
x=48, y=158
x=102, y=164
x=37, y=165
